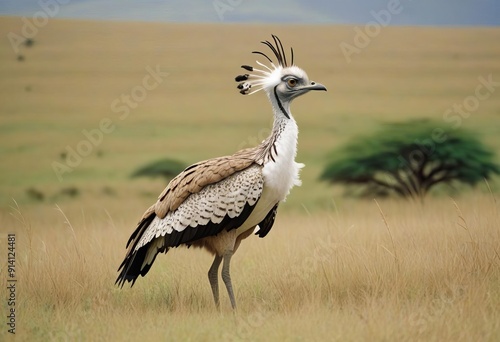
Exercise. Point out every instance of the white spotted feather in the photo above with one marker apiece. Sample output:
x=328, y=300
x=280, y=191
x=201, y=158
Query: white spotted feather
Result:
x=212, y=203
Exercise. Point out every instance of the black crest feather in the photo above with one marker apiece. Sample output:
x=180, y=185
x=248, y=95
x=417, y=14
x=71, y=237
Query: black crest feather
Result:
x=240, y=78
x=278, y=51
x=246, y=81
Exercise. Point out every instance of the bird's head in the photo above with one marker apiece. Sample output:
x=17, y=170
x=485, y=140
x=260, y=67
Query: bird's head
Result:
x=282, y=81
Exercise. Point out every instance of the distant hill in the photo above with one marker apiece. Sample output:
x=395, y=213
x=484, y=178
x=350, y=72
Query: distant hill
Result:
x=407, y=12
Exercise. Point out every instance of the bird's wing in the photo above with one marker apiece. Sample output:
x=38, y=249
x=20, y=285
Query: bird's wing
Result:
x=267, y=223
x=191, y=181
x=222, y=204
x=194, y=178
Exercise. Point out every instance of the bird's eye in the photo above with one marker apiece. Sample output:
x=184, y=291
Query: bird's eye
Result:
x=292, y=82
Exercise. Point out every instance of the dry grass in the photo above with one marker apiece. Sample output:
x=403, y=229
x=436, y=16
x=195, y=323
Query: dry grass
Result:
x=347, y=271
x=422, y=272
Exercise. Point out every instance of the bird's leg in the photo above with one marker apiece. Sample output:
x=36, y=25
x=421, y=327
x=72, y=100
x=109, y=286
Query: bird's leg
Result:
x=226, y=277
x=212, y=277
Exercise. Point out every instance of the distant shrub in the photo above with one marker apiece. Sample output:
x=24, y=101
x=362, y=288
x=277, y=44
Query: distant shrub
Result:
x=70, y=191
x=166, y=168
x=35, y=194
x=107, y=190
x=29, y=42
x=408, y=159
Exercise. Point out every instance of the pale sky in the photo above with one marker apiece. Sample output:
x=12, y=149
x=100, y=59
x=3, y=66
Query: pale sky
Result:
x=410, y=12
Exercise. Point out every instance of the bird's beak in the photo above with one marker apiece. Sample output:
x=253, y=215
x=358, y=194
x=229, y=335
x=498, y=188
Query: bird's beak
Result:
x=314, y=86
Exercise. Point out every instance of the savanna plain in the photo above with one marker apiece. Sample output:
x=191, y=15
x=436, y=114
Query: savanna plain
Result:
x=333, y=268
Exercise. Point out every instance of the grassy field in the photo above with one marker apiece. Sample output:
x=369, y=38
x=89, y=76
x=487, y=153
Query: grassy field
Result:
x=430, y=274
x=333, y=268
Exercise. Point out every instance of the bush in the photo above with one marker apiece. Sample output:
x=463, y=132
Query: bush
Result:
x=35, y=194
x=408, y=159
x=166, y=168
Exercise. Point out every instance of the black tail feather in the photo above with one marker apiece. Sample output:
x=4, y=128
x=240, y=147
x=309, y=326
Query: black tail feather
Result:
x=131, y=265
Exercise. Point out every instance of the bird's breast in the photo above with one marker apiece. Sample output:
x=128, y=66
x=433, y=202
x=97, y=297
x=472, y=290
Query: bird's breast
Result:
x=281, y=173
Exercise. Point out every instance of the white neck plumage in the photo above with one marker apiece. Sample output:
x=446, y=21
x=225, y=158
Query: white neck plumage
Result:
x=281, y=172
x=282, y=143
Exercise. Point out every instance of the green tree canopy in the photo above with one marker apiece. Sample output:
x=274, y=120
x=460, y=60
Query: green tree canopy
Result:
x=166, y=168
x=410, y=158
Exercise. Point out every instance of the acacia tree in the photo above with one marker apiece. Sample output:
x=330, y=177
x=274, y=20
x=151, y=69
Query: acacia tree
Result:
x=408, y=159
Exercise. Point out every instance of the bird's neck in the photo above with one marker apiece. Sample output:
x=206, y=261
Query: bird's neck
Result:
x=282, y=143
x=280, y=170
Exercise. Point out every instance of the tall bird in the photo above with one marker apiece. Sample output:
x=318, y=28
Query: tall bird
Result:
x=218, y=202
